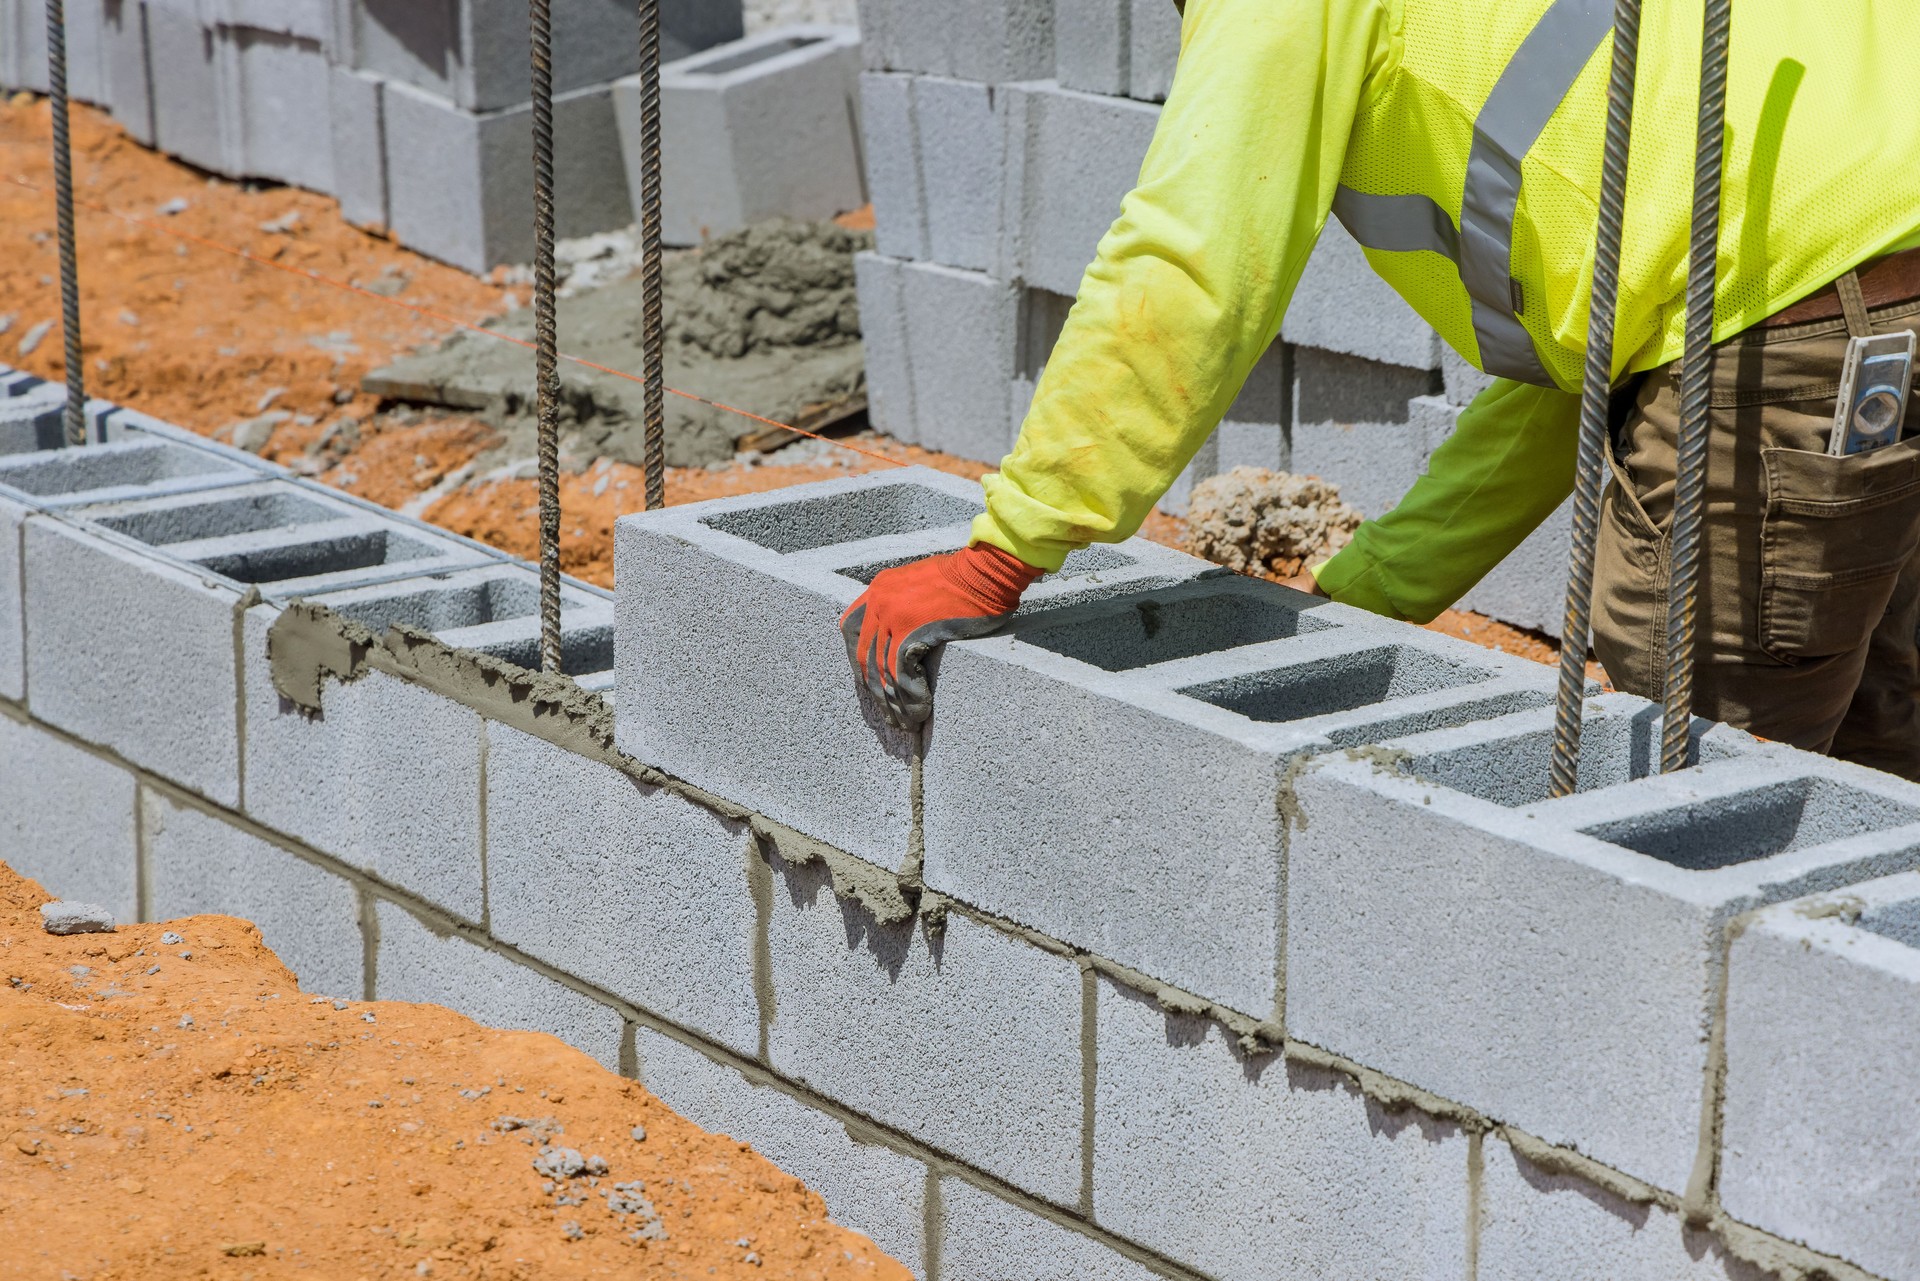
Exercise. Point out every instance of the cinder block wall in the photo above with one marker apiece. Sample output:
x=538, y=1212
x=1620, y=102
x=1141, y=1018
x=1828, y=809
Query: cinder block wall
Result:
x=999, y=145
x=1210, y=931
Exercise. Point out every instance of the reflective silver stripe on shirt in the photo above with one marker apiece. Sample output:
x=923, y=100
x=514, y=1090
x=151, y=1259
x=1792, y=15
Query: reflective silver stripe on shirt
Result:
x=1530, y=89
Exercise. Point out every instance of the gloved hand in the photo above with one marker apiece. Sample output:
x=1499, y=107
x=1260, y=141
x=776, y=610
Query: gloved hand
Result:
x=908, y=610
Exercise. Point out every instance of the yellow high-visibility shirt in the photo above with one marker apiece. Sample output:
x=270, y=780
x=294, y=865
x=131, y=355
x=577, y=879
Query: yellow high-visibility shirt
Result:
x=1383, y=110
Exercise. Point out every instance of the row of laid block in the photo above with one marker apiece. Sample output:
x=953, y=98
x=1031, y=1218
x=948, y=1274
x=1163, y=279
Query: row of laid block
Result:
x=1120, y=773
x=1022, y=180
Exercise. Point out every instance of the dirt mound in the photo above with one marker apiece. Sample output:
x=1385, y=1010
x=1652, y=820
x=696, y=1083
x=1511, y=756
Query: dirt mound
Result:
x=1259, y=521
x=173, y=1106
x=764, y=319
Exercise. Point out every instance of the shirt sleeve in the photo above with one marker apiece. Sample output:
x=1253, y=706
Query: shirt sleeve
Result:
x=1190, y=283
x=1507, y=465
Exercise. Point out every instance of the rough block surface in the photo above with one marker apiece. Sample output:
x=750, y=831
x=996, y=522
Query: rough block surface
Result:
x=867, y=1187
x=894, y=1021
x=197, y=863
x=67, y=819
x=1257, y=1168
x=630, y=888
x=983, y=1238
x=413, y=963
x=991, y=41
x=1353, y=424
x=1341, y=305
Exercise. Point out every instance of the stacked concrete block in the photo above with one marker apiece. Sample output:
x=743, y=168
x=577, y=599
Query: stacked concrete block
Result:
x=357, y=122
x=867, y=1187
x=983, y=1238
x=13, y=636
x=1820, y=1142
x=1153, y=48
x=1535, y=1223
x=1251, y=1168
x=1487, y=934
x=416, y=959
x=23, y=47
x=197, y=863
x=1232, y=678
x=935, y=159
x=752, y=698
x=637, y=891
x=68, y=819
x=1121, y=48
x=459, y=183
x=887, y=1018
x=754, y=129
x=990, y=41
x=1340, y=305
x=1360, y=424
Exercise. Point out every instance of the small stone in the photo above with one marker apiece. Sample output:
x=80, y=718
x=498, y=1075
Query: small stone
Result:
x=639, y=1133
x=282, y=225
x=339, y=1004
x=572, y=1231
x=153, y=969
x=559, y=1163
x=186, y=1020
x=174, y=206
x=244, y=1249
x=75, y=918
x=171, y=939
x=596, y=1166
x=31, y=340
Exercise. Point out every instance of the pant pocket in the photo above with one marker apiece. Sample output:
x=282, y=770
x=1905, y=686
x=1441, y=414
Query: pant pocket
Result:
x=1629, y=594
x=1836, y=534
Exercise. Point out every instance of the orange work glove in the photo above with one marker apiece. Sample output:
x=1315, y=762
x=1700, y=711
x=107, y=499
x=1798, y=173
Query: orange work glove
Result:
x=908, y=610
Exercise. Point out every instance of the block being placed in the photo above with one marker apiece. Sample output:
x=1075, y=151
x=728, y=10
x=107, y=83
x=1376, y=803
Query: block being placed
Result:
x=989, y=41
x=67, y=819
x=750, y=695
x=1072, y=721
x=867, y=1187
x=633, y=889
x=968, y=1038
x=198, y=864
x=1248, y=1169
x=983, y=1238
x=759, y=128
x=459, y=184
x=1471, y=941
x=1070, y=160
x=1820, y=1141
x=475, y=52
x=1353, y=425
x=1341, y=305
x=417, y=962
x=1536, y=1223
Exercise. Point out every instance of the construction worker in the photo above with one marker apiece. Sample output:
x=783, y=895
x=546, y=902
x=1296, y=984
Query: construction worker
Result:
x=1460, y=142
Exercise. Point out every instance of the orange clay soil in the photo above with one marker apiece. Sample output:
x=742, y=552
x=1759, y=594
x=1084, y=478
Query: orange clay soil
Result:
x=200, y=338
x=176, y=1109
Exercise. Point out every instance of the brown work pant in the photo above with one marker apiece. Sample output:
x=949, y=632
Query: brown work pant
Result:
x=1810, y=595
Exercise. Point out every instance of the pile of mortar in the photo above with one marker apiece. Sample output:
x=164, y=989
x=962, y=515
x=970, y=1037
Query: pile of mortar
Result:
x=763, y=319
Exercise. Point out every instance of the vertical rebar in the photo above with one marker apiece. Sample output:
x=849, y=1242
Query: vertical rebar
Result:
x=545, y=333
x=652, y=333
x=1596, y=393
x=1690, y=469
x=76, y=415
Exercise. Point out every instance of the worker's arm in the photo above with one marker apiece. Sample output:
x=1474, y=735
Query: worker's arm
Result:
x=1508, y=464
x=1190, y=284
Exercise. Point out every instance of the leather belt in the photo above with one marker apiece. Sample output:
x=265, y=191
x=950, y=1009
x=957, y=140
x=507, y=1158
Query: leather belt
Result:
x=1888, y=281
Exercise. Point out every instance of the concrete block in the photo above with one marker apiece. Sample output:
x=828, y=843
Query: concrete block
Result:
x=758, y=128
x=1153, y=35
x=1091, y=45
x=23, y=48
x=124, y=56
x=867, y=1187
x=1257, y=1167
x=883, y=333
x=13, y=638
x=197, y=863
x=1534, y=1223
x=1352, y=425
x=112, y=472
x=283, y=99
x=1819, y=1141
x=751, y=696
x=387, y=778
x=67, y=819
x=990, y=41
x=195, y=112
x=632, y=889
x=983, y=1238
x=358, y=122
x=892, y=155
x=285, y=540
x=93, y=669
x=414, y=962
x=1232, y=677
x=960, y=330
x=475, y=52
x=968, y=1038
x=961, y=151
x=1340, y=305
x=459, y=184
x=1486, y=937
x=1070, y=159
